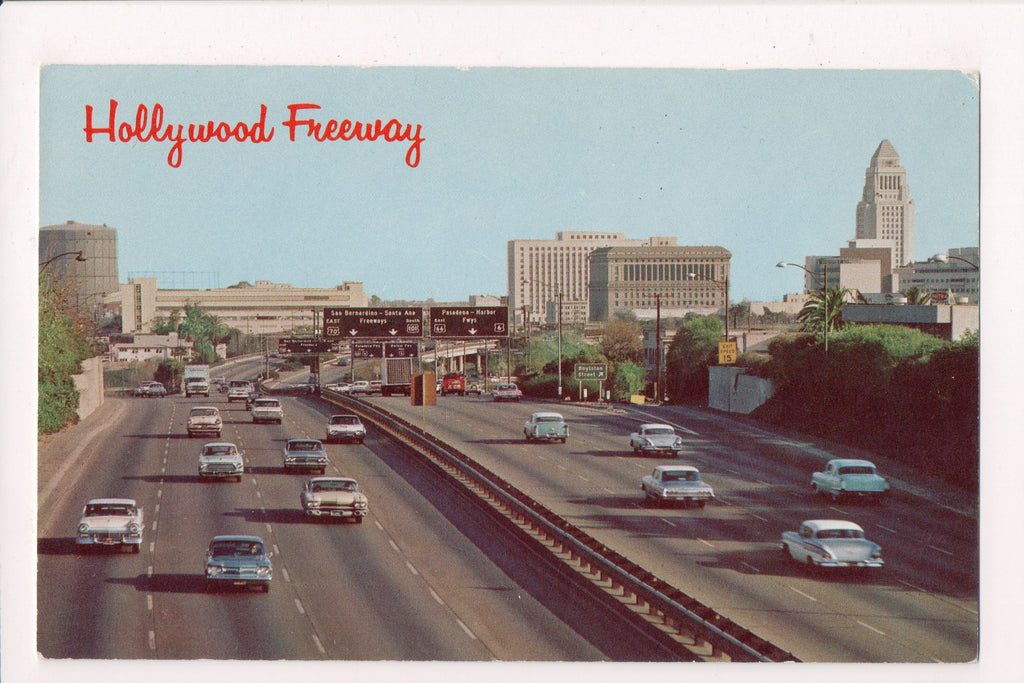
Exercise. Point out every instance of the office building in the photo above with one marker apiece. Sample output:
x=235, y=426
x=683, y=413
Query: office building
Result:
x=956, y=280
x=545, y=273
x=263, y=308
x=886, y=211
x=642, y=279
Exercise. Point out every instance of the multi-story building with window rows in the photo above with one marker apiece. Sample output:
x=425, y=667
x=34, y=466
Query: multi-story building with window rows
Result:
x=643, y=279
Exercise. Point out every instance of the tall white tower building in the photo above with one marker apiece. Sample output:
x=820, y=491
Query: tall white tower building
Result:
x=885, y=213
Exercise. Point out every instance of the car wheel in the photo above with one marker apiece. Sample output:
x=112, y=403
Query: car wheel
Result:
x=562, y=439
x=784, y=550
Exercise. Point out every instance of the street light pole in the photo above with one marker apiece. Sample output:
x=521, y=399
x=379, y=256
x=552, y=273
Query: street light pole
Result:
x=824, y=294
x=79, y=257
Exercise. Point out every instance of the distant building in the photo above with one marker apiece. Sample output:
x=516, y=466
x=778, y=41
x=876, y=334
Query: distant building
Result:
x=640, y=279
x=886, y=211
x=263, y=308
x=944, y=321
x=542, y=273
x=84, y=282
x=946, y=281
x=141, y=347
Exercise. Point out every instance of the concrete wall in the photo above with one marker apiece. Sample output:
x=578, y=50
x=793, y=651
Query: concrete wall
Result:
x=90, y=386
x=731, y=390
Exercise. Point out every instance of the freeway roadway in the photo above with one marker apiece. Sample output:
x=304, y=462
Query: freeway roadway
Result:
x=922, y=607
x=406, y=585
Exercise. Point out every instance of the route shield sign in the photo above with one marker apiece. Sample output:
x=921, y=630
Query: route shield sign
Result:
x=310, y=345
x=468, y=322
x=373, y=323
x=401, y=349
x=590, y=371
x=367, y=349
x=727, y=352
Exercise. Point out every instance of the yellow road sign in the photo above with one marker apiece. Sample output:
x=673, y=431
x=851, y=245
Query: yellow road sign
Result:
x=727, y=353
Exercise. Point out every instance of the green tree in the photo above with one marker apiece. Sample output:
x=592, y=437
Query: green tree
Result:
x=693, y=348
x=917, y=296
x=824, y=311
x=62, y=348
x=627, y=379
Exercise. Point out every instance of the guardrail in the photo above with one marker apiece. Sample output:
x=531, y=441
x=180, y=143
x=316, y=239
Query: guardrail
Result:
x=701, y=630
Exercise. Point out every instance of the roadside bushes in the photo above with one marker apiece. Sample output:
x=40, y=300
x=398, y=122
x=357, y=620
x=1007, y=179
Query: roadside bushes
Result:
x=885, y=388
x=62, y=348
x=693, y=349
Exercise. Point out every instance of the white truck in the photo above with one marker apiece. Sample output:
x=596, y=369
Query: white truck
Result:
x=196, y=380
x=396, y=376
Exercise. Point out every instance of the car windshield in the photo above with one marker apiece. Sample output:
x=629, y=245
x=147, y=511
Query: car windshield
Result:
x=236, y=549
x=506, y=387
x=108, y=509
x=266, y=403
x=344, y=420
x=203, y=412
x=220, y=449
x=303, y=445
x=679, y=476
x=659, y=431
x=840, y=533
x=319, y=486
x=549, y=418
x=856, y=469
x=239, y=385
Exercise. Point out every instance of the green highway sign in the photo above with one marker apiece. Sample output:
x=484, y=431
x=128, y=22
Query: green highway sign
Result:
x=590, y=371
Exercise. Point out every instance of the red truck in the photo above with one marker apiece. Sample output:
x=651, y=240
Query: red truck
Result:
x=453, y=383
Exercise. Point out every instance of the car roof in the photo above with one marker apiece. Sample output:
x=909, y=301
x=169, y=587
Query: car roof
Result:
x=344, y=415
x=656, y=424
x=305, y=441
x=230, y=537
x=332, y=479
x=818, y=524
x=111, y=501
x=203, y=408
x=558, y=415
x=219, y=443
x=851, y=462
x=676, y=468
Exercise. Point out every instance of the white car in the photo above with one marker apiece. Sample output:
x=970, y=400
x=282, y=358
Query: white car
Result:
x=204, y=420
x=333, y=497
x=831, y=543
x=360, y=387
x=267, y=410
x=239, y=390
x=110, y=522
x=346, y=427
x=506, y=392
x=221, y=459
x=656, y=439
x=676, y=484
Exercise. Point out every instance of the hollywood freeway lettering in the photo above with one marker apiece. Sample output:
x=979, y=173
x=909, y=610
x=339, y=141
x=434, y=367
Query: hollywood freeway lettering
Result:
x=149, y=126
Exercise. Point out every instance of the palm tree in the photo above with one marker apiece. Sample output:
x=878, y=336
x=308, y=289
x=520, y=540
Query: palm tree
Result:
x=823, y=312
x=917, y=296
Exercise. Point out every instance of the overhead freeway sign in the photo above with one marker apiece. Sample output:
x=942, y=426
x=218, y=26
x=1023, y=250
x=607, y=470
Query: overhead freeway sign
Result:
x=381, y=349
x=303, y=345
x=373, y=323
x=468, y=322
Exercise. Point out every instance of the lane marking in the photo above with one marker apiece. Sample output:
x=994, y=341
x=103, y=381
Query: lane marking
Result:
x=287, y=577
x=152, y=640
x=437, y=598
x=941, y=550
x=885, y=528
x=149, y=603
x=394, y=545
x=153, y=528
x=870, y=628
x=672, y=524
x=152, y=545
x=706, y=543
x=379, y=526
x=750, y=566
x=298, y=606
x=412, y=568
x=277, y=551
x=757, y=517
x=269, y=530
x=812, y=599
x=465, y=628
x=910, y=585
x=319, y=645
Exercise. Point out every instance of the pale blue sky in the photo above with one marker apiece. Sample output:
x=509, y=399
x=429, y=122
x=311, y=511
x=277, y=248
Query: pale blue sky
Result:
x=766, y=163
